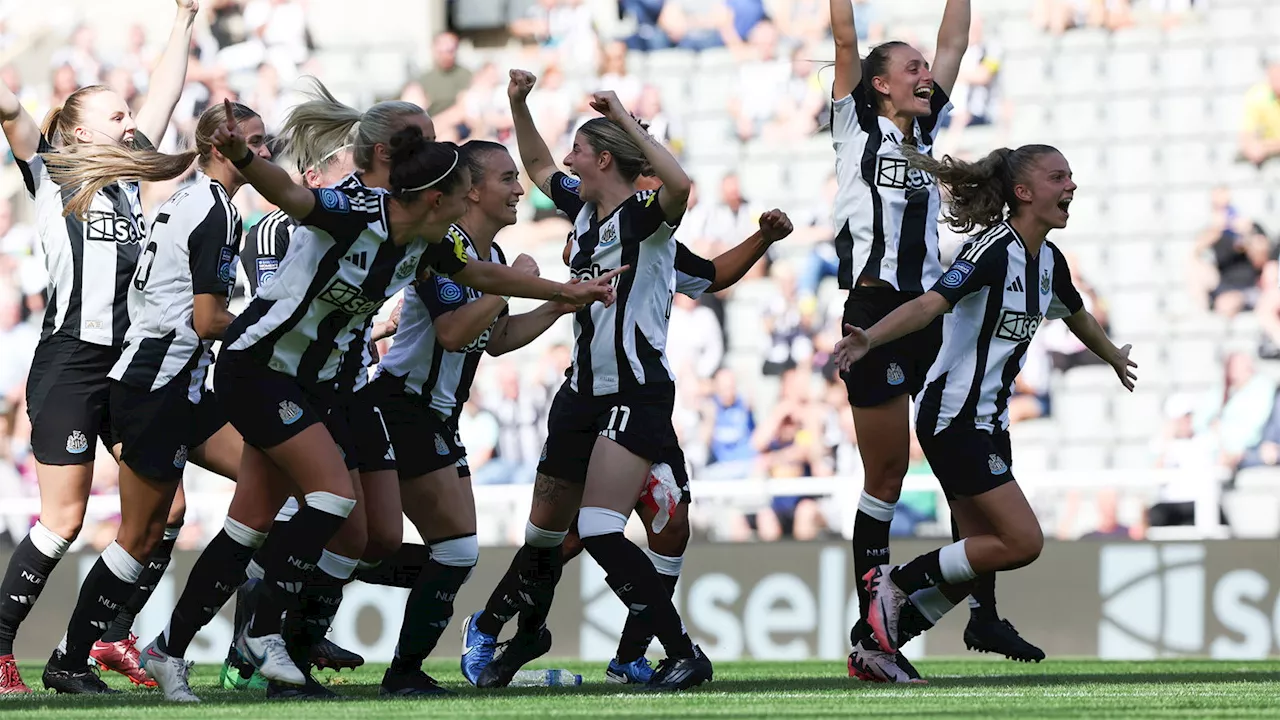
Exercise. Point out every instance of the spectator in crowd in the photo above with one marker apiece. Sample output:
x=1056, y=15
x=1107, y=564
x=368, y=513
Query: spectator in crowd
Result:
x=226, y=22
x=699, y=24
x=867, y=21
x=1236, y=410
x=20, y=247
x=279, y=28
x=1229, y=256
x=520, y=409
x=806, y=21
x=137, y=58
x=1260, y=133
x=1268, y=309
x=613, y=75
x=1058, y=16
x=1267, y=452
x=762, y=81
x=728, y=428
x=563, y=25
x=732, y=219
x=648, y=35
x=975, y=94
x=813, y=230
x=81, y=57
x=479, y=430
x=1182, y=445
x=1108, y=526
x=788, y=326
x=698, y=340
x=446, y=80
x=661, y=125
x=789, y=444
x=18, y=340
x=64, y=83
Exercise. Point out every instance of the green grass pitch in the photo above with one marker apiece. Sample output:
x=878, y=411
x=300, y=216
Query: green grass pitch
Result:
x=968, y=688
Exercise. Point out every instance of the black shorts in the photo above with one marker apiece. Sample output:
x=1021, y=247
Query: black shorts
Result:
x=367, y=427
x=638, y=420
x=968, y=461
x=423, y=441
x=157, y=428
x=210, y=417
x=895, y=368
x=269, y=407
x=69, y=399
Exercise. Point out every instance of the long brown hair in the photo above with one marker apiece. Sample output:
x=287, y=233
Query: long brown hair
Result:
x=90, y=167
x=628, y=157
x=980, y=191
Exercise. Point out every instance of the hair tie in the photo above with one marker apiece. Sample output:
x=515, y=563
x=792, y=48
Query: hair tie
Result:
x=442, y=177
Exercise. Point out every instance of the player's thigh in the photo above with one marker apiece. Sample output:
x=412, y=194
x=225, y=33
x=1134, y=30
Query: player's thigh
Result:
x=615, y=477
x=260, y=491
x=384, y=513
x=884, y=442
x=440, y=504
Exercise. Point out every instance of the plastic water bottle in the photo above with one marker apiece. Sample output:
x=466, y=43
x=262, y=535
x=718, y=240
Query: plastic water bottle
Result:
x=545, y=678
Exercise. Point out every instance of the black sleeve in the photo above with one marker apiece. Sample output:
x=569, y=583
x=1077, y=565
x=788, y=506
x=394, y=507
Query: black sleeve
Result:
x=441, y=295
x=213, y=256
x=644, y=216
x=446, y=257
x=334, y=215
x=33, y=171
x=981, y=263
x=1066, y=298
x=564, y=193
x=694, y=273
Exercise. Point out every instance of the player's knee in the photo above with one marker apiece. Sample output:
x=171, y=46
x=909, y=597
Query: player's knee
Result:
x=383, y=540
x=1025, y=547
x=463, y=552
x=883, y=476
x=65, y=522
x=177, y=511
x=571, y=547
x=674, y=538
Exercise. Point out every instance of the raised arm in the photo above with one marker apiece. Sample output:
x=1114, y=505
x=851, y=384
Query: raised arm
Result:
x=534, y=152
x=732, y=264
x=673, y=196
x=1085, y=327
x=953, y=40
x=19, y=127
x=848, y=63
x=267, y=178
x=170, y=75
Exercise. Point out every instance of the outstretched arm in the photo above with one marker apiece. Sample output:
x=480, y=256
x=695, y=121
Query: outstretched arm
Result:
x=906, y=319
x=1085, y=327
x=515, y=331
x=732, y=264
x=534, y=152
x=169, y=76
x=953, y=41
x=848, y=64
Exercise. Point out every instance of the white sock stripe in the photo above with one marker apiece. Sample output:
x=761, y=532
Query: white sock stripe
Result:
x=954, y=563
x=254, y=570
x=875, y=507
x=243, y=534
x=665, y=564
x=49, y=543
x=535, y=536
x=931, y=603
x=330, y=503
x=458, y=552
x=121, y=563
x=973, y=603
x=336, y=565
x=288, y=510
x=595, y=521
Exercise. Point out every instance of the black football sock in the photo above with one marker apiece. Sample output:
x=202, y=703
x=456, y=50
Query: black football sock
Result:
x=105, y=590
x=29, y=568
x=147, y=582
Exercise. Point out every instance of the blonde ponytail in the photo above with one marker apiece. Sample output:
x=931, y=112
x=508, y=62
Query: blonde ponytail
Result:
x=317, y=127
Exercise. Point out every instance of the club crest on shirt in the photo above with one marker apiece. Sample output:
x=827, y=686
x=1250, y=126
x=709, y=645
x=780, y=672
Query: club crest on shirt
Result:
x=180, y=457
x=442, y=448
x=290, y=413
x=77, y=442
x=996, y=464
x=1045, y=282
x=894, y=375
x=609, y=233
x=957, y=273
x=406, y=267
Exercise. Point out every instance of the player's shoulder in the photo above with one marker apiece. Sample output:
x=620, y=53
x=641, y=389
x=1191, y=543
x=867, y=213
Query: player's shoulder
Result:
x=988, y=244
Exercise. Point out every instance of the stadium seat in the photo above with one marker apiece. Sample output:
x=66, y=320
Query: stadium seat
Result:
x=1184, y=115
x=1024, y=76
x=1138, y=415
x=1030, y=118
x=716, y=60
x=1082, y=456
x=1235, y=66
x=386, y=71
x=710, y=92
x=1129, y=71
x=1132, y=310
x=1088, y=211
x=1253, y=513
x=1188, y=210
x=762, y=179
x=807, y=178
x=1017, y=34
x=1188, y=359
x=1132, y=263
x=1183, y=68
x=1075, y=75
x=1132, y=211
x=1075, y=120
x=1089, y=378
x=673, y=61
x=1082, y=415
x=1144, y=37
x=1131, y=456
x=1233, y=23
x=1031, y=458
x=1130, y=165
x=1183, y=164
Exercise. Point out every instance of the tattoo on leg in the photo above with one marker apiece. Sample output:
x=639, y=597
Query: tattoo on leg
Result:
x=547, y=489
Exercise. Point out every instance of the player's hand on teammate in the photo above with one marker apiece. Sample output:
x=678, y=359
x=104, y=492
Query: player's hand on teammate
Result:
x=607, y=104
x=582, y=294
x=775, y=225
x=521, y=84
x=526, y=265
x=852, y=347
x=228, y=138
x=1122, y=364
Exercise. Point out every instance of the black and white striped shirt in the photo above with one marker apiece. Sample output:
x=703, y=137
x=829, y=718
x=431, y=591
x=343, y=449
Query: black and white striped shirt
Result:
x=340, y=268
x=999, y=296
x=264, y=248
x=885, y=213
x=90, y=261
x=622, y=347
x=191, y=250
x=417, y=358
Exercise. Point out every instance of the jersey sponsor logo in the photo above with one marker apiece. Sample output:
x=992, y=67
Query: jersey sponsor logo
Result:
x=894, y=375
x=447, y=290
x=334, y=201
x=227, y=265
x=349, y=298
x=442, y=448
x=267, y=267
x=593, y=272
x=1045, y=282
x=406, y=267
x=479, y=343
x=180, y=457
x=77, y=442
x=996, y=464
x=896, y=174
x=1017, y=327
x=290, y=413
x=107, y=226
x=570, y=183
x=959, y=271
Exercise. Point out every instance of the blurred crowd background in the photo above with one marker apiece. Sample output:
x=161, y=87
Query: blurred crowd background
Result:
x=1168, y=110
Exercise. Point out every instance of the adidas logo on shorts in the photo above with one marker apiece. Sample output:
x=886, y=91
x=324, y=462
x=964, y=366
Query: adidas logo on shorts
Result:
x=290, y=413
x=77, y=442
